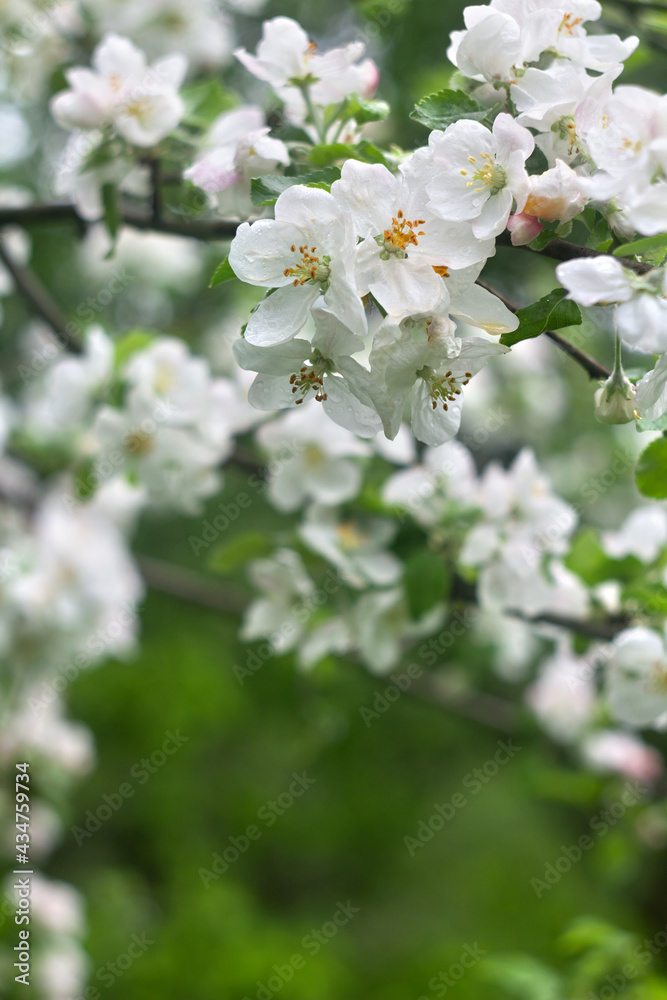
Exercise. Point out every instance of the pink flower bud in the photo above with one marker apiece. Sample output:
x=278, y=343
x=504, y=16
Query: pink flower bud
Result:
x=523, y=228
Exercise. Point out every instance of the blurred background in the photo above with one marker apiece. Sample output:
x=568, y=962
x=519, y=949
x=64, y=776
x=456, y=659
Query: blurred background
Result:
x=170, y=873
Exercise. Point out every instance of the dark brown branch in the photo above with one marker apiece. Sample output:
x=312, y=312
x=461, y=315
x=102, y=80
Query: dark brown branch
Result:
x=34, y=215
x=32, y=290
x=593, y=368
x=605, y=630
x=562, y=250
x=189, y=585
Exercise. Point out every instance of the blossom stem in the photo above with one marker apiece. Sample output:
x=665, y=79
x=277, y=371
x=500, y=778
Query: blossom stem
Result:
x=317, y=124
x=593, y=368
x=33, y=292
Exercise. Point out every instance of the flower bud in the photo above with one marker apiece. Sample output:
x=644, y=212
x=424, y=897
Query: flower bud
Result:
x=615, y=401
x=524, y=228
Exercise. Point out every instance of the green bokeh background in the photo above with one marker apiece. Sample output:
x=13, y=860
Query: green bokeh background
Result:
x=344, y=838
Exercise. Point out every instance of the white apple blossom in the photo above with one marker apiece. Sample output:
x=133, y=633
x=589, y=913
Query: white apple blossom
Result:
x=481, y=173
x=60, y=404
x=356, y=548
x=305, y=253
x=311, y=458
x=302, y=77
x=555, y=195
x=423, y=359
x=281, y=613
x=405, y=248
x=641, y=316
x=382, y=628
x=140, y=102
x=643, y=534
x=507, y=35
x=636, y=679
x=624, y=753
x=201, y=31
x=237, y=148
x=563, y=696
x=321, y=368
x=445, y=479
x=651, y=391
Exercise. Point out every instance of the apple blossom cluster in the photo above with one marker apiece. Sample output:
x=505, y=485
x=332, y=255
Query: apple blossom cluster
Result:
x=507, y=537
x=392, y=251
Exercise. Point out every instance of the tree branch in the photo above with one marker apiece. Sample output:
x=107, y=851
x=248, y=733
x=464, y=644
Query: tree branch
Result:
x=562, y=250
x=593, y=368
x=34, y=215
x=32, y=290
x=190, y=586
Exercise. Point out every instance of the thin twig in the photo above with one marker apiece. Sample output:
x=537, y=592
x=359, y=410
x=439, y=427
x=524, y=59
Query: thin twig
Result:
x=189, y=585
x=156, y=193
x=33, y=215
x=593, y=368
x=32, y=290
x=605, y=630
x=563, y=250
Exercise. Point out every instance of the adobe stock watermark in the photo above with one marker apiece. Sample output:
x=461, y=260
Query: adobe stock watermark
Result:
x=96, y=646
x=440, y=984
x=457, y=626
x=137, y=441
x=383, y=700
x=644, y=953
x=112, y=971
x=474, y=781
x=299, y=615
x=227, y=513
x=599, y=826
x=141, y=772
x=267, y=814
x=312, y=943
x=437, y=480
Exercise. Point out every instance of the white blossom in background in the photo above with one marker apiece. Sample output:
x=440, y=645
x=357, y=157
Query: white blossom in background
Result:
x=140, y=102
x=614, y=750
x=563, y=696
x=198, y=29
x=290, y=62
x=507, y=35
x=237, y=148
x=643, y=534
x=641, y=315
x=60, y=404
x=446, y=478
x=357, y=548
x=311, y=458
x=636, y=677
x=281, y=613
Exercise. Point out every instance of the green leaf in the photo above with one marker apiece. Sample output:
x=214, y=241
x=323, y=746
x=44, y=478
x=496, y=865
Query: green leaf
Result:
x=111, y=207
x=640, y=248
x=553, y=312
x=205, y=101
x=129, y=344
x=652, y=425
x=324, y=154
x=426, y=582
x=267, y=190
x=222, y=273
x=522, y=976
x=651, y=471
x=251, y=545
x=362, y=111
x=447, y=106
